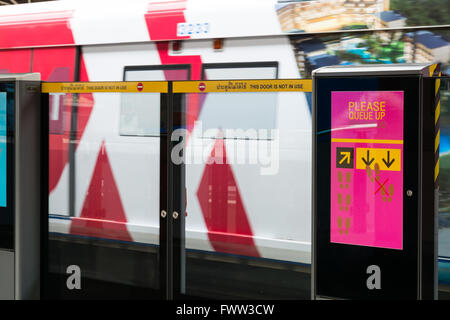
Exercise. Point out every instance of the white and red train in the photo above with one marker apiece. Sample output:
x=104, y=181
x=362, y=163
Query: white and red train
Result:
x=231, y=208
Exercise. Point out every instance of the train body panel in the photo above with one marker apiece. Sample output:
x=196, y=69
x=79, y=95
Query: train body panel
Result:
x=236, y=207
x=277, y=227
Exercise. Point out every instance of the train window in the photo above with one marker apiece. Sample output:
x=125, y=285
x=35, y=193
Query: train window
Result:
x=140, y=113
x=226, y=71
x=157, y=73
x=238, y=113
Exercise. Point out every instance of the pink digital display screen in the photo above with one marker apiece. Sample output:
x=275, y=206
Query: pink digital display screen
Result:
x=367, y=168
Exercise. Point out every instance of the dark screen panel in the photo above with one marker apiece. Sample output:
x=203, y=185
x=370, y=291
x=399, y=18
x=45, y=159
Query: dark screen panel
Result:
x=7, y=211
x=342, y=268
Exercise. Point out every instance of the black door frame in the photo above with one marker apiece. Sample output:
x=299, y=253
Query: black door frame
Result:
x=172, y=199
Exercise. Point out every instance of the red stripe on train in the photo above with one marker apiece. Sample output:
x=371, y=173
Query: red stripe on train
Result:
x=36, y=29
x=57, y=64
x=223, y=209
x=103, y=215
x=15, y=61
x=163, y=17
x=225, y=218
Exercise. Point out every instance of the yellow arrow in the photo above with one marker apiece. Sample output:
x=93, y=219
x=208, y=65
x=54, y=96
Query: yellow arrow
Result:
x=346, y=156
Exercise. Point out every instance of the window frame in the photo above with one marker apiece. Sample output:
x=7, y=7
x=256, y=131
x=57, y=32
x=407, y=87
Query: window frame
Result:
x=157, y=67
x=237, y=65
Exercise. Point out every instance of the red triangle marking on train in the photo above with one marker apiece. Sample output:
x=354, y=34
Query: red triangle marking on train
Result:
x=103, y=215
x=223, y=210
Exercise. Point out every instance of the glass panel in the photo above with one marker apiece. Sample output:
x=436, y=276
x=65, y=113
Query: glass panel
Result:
x=248, y=223
x=104, y=205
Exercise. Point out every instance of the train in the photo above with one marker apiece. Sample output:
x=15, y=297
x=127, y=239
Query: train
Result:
x=104, y=148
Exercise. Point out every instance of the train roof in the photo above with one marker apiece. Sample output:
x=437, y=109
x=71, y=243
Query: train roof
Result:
x=88, y=22
x=84, y=22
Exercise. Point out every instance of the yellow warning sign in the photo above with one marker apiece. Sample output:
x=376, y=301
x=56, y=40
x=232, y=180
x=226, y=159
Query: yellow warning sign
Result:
x=278, y=85
x=387, y=159
x=112, y=87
